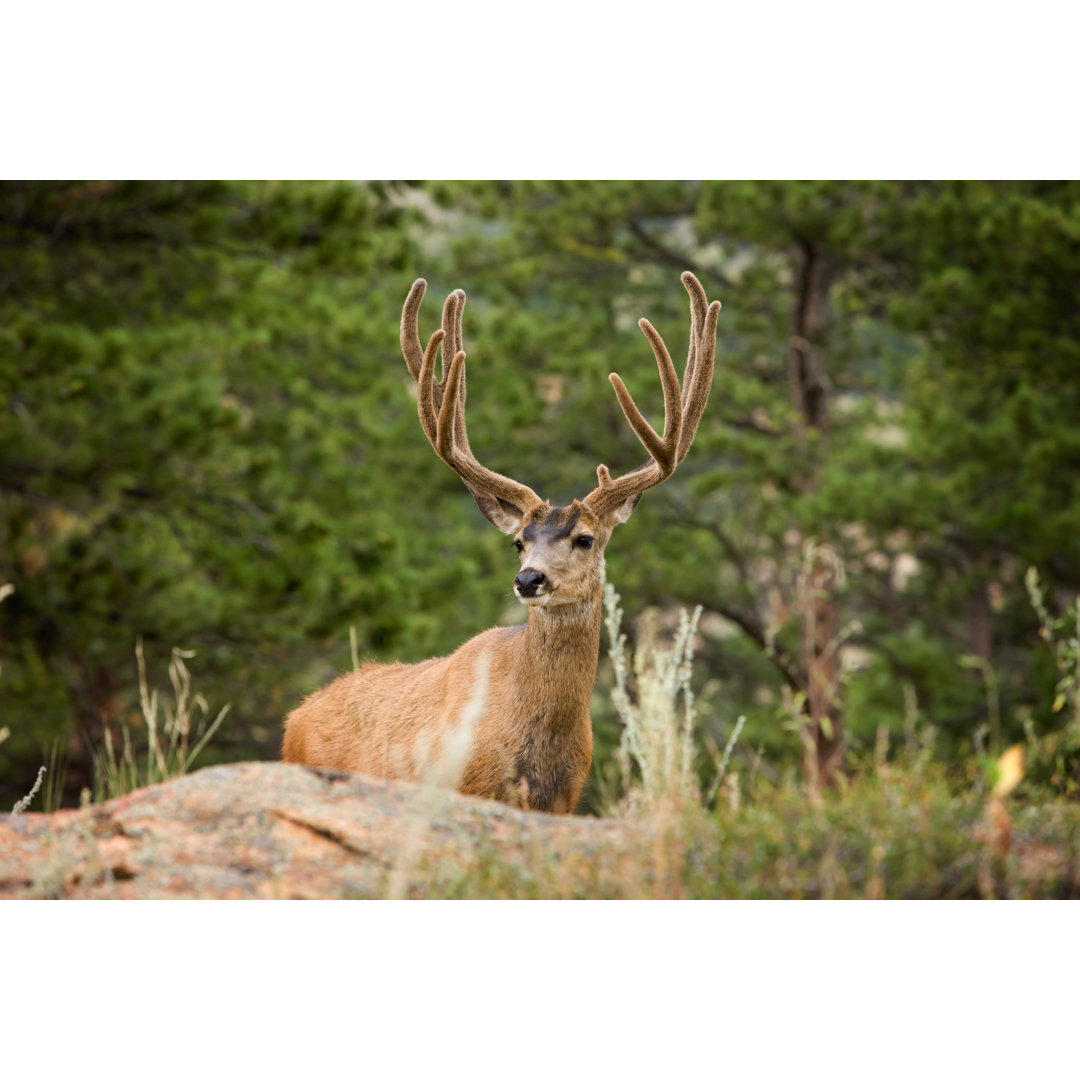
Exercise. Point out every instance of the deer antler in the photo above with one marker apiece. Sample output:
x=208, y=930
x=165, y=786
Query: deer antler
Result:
x=441, y=403
x=682, y=409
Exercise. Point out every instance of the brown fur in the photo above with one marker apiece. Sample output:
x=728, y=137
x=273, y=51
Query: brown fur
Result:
x=528, y=686
x=533, y=739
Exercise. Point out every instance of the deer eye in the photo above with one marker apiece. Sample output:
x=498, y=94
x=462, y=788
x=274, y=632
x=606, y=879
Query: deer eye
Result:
x=584, y=541
x=519, y=545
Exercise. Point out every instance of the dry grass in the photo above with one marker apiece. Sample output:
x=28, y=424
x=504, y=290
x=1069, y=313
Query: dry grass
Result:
x=175, y=733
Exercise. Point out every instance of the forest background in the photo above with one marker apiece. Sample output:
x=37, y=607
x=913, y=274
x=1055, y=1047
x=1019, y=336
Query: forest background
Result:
x=208, y=440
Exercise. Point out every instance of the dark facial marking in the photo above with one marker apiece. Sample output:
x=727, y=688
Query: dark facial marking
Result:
x=559, y=524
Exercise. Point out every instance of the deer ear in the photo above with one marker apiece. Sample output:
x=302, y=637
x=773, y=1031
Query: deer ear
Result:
x=621, y=513
x=505, y=516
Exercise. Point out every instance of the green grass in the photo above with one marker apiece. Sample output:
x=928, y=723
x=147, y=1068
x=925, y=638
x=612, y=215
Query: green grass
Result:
x=900, y=835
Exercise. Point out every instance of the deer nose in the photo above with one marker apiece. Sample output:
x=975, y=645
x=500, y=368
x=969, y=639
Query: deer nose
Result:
x=528, y=582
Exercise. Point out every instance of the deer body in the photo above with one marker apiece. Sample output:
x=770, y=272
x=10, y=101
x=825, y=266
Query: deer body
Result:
x=519, y=694
x=532, y=741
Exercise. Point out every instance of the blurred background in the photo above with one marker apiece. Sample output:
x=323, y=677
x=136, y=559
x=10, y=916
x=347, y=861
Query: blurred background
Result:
x=208, y=441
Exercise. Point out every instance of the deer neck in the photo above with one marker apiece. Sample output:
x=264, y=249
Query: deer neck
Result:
x=560, y=649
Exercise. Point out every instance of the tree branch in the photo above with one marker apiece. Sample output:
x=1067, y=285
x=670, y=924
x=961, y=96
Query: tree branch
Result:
x=668, y=257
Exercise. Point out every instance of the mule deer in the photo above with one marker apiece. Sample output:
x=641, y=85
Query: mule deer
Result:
x=532, y=735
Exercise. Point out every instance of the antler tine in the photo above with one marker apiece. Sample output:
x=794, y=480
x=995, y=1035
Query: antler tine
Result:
x=410, y=335
x=429, y=393
x=682, y=406
x=454, y=343
x=453, y=312
x=421, y=362
x=662, y=449
x=697, y=379
x=441, y=403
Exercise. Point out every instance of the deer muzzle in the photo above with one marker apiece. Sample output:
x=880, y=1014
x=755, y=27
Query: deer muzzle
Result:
x=529, y=583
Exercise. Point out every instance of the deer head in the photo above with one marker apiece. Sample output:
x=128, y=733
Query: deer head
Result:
x=560, y=547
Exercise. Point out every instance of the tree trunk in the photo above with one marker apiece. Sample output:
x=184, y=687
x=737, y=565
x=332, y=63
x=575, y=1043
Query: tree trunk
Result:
x=806, y=365
x=821, y=653
x=821, y=656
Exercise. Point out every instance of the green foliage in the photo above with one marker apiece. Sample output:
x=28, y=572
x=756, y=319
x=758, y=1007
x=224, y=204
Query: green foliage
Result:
x=208, y=439
x=989, y=403
x=1054, y=756
x=206, y=435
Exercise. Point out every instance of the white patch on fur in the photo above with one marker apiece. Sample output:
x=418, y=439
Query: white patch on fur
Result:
x=539, y=600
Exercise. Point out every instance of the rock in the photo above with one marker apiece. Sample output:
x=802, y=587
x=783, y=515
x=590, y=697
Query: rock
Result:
x=273, y=830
